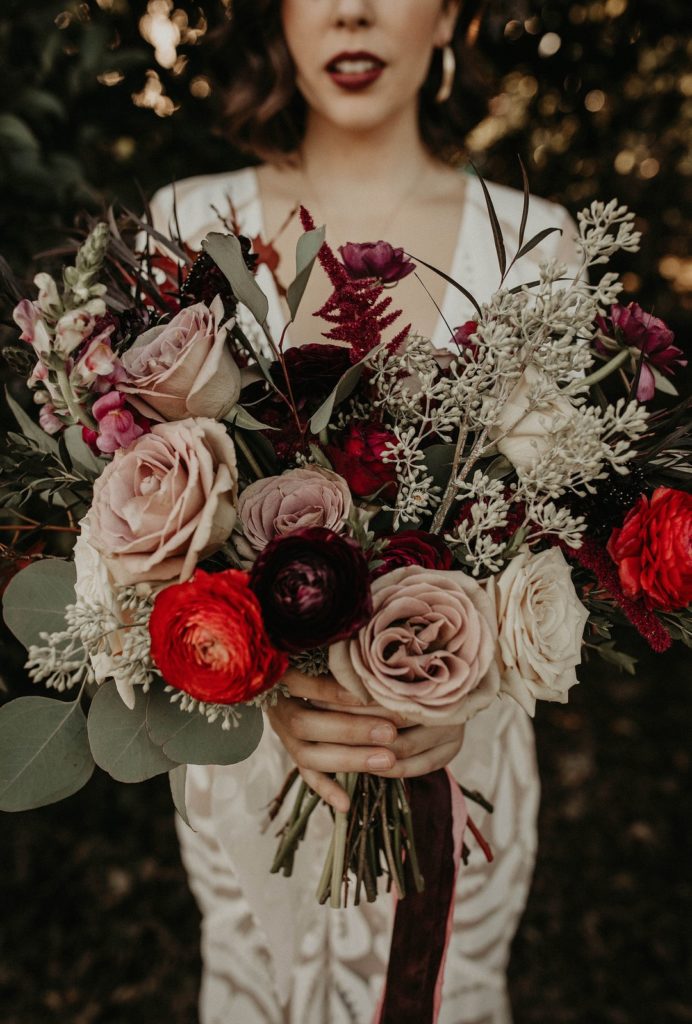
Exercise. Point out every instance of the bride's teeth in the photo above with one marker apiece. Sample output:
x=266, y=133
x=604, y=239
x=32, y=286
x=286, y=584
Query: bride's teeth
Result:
x=354, y=67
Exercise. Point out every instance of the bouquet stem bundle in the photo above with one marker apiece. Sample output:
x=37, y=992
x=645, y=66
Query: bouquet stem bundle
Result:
x=373, y=838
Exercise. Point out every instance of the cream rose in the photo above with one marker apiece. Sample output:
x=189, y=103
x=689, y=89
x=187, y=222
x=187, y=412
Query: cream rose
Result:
x=297, y=499
x=184, y=368
x=428, y=652
x=540, y=622
x=523, y=437
x=165, y=502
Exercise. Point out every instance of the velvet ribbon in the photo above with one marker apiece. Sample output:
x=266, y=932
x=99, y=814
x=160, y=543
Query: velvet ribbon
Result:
x=423, y=921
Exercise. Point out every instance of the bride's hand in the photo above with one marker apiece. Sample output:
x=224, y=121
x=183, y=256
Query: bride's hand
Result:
x=326, y=730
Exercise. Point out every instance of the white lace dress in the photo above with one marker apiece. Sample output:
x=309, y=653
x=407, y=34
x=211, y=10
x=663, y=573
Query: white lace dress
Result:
x=271, y=954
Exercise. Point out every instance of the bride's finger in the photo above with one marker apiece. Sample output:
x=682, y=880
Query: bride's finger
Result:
x=419, y=738
x=322, y=688
x=422, y=764
x=326, y=787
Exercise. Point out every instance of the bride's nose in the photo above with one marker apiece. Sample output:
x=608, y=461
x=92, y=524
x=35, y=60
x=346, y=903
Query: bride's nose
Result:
x=353, y=13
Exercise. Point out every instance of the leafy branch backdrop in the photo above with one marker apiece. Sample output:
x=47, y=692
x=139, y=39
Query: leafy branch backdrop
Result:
x=111, y=98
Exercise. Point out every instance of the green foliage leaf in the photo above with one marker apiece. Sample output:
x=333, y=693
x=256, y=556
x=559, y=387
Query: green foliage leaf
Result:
x=309, y=244
x=15, y=133
x=345, y=386
x=44, y=752
x=43, y=441
x=226, y=253
x=120, y=742
x=83, y=459
x=177, y=778
x=189, y=737
x=240, y=417
x=35, y=599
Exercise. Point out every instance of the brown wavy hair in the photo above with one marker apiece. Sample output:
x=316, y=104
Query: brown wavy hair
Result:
x=264, y=112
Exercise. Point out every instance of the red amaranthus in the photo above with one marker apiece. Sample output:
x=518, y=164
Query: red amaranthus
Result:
x=357, y=308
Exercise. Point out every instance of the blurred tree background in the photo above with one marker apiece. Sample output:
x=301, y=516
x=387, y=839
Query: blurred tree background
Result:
x=112, y=98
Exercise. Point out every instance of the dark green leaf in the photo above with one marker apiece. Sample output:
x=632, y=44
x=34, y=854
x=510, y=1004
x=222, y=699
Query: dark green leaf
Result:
x=226, y=252
x=188, y=737
x=309, y=244
x=177, y=778
x=495, y=225
x=120, y=742
x=44, y=752
x=536, y=240
x=36, y=597
x=346, y=385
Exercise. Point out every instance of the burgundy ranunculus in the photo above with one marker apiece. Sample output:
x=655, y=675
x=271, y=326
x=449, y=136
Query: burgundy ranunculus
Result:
x=413, y=547
x=358, y=459
x=313, y=370
x=463, y=338
x=632, y=326
x=313, y=588
x=376, y=259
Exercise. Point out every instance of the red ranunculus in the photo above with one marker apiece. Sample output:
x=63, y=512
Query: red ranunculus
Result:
x=208, y=639
x=414, y=547
x=313, y=587
x=358, y=459
x=653, y=549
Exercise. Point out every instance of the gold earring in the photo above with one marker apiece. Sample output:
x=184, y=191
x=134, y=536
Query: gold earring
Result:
x=449, y=67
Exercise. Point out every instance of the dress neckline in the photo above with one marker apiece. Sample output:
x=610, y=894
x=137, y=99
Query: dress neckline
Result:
x=446, y=314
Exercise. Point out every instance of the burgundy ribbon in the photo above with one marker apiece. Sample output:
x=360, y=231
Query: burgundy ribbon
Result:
x=423, y=921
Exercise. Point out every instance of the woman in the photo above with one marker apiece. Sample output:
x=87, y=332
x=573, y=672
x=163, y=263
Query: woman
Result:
x=353, y=105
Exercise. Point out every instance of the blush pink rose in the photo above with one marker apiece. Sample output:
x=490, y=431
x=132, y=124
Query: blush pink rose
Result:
x=184, y=368
x=165, y=502
x=296, y=500
x=428, y=652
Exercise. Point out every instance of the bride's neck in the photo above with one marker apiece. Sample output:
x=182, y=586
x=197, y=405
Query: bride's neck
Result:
x=380, y=156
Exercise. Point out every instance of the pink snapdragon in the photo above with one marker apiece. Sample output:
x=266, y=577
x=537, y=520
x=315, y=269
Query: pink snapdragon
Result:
x=116, y=424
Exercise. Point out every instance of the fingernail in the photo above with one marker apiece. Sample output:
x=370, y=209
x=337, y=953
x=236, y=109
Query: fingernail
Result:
x=382, y=734
x=379, y=761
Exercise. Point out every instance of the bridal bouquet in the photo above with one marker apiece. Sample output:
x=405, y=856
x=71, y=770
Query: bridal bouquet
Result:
x=438, y=530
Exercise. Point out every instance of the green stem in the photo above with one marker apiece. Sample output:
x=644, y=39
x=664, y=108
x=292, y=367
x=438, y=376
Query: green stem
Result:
x=604, y=371
x=252, y=461
x=346, y=780
x=78, y=414
x=294, y=832
x=418, y=879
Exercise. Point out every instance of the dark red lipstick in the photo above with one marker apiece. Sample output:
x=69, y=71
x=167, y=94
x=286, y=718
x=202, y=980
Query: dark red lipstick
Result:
x=355, y=70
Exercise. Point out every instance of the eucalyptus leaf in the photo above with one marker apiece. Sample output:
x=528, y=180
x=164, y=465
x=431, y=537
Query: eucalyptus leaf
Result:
x=345, y=386
x=44, y=752
x=240, y=417
x=177, y=778
x=81, y=454
x=191, y=738
x=309, y=244
x=120, y=742
x=35, y=599
x=226, y=252
x=44, y=442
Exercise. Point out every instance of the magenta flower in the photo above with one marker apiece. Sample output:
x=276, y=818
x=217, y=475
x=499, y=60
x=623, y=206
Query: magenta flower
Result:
x=376, y=259
x=117, y=427
x=631, y=326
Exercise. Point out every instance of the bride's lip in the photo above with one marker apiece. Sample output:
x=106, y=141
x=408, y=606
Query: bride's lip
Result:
x=354, y=80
